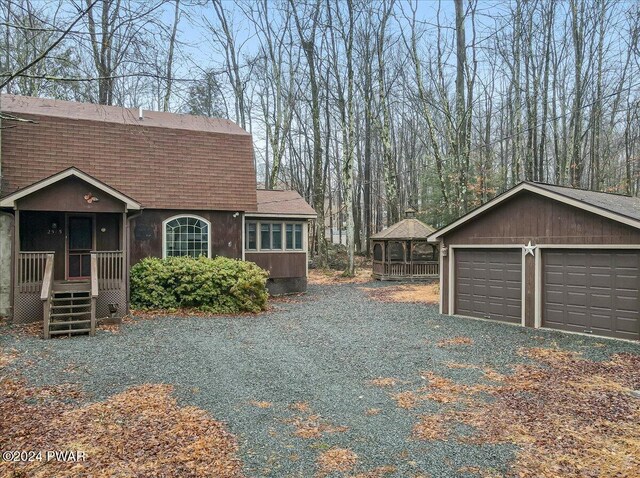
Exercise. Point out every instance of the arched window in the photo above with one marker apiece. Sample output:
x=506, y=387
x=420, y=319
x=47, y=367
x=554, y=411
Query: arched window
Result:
x=186, y=236
x=377, y=252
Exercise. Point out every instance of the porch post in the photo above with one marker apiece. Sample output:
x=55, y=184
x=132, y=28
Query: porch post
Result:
x=7, y=253
x=126, y=259
x=16, y=253
x=410, y=260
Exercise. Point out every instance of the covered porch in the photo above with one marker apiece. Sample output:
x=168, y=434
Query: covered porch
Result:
x=70, y=253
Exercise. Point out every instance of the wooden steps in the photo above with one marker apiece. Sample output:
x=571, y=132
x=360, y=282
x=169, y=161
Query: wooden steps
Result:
x=70, y=312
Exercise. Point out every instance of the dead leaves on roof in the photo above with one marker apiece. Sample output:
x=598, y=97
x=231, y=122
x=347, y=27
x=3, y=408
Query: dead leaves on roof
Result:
x=571, y=417
x=140, y=432
x=410, y=293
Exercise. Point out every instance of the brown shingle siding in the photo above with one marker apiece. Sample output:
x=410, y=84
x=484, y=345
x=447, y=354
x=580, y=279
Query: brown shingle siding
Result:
x=157, y=166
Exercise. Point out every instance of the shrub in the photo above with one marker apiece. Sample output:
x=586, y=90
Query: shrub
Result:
x=219, y=285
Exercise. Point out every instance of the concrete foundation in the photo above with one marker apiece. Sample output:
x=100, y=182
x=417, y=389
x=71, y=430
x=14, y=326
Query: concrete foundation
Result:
x=287, y=286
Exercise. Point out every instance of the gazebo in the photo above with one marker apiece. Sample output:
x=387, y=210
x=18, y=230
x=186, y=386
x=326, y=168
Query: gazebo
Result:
x=401, y=251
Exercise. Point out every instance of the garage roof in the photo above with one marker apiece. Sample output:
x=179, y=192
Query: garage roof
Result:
x=626, y=205
x=624, y=209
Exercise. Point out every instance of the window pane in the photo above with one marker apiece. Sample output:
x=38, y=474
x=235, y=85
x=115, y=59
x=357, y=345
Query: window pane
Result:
x=289, y=236
x=187, y=236
x=277, y=236
x=80, y=233
x=251, y=236
x=265, y=236
x=298, y=236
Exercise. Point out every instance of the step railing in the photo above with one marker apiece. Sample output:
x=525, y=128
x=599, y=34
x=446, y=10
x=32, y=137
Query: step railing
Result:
x=46, y=293
x=94, y=291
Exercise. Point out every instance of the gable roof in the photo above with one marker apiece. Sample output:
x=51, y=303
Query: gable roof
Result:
x=273, y=202
x=409, y=228
x=624, y=205
x=165, y=161
x=114, y=114
x=624, y=209
x=10, y=200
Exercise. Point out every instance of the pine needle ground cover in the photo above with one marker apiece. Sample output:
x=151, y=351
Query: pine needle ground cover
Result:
x=334, y=384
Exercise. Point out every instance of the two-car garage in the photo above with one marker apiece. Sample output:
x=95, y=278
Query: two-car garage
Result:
x=546, y=256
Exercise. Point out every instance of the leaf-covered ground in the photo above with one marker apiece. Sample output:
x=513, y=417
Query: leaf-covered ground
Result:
x=330, y=384
x=139, y=432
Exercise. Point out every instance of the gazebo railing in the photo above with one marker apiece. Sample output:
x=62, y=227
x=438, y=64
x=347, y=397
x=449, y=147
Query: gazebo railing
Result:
x=406, y=269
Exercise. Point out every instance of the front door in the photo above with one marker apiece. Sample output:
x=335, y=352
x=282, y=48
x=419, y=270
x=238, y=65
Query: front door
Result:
x=79, y=246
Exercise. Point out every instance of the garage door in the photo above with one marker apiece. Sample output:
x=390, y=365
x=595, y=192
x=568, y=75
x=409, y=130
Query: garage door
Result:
x=592, y=291
x=488, y=284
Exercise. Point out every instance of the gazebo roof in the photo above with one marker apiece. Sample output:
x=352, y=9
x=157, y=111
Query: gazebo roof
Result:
x=409, y=228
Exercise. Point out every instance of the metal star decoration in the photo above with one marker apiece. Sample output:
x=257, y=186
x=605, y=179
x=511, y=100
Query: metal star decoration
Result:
x=529, y=249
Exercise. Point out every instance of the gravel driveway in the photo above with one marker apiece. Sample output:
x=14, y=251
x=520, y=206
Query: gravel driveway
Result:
x=319, y=350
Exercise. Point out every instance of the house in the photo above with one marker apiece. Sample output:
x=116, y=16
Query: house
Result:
x=546, y=256
x=89, y=190
x=401, y=251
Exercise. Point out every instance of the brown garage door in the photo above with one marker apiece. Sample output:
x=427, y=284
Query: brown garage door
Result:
x=488, y=284
x=592, y=291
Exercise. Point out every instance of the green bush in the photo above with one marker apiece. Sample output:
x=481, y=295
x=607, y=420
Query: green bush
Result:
x=220, y=285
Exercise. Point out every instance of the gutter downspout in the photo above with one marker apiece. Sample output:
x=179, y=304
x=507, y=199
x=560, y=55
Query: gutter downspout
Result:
x=127, y=238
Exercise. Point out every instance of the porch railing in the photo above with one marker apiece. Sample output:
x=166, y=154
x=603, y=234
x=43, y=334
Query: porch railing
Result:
x=110, y=269
x=46, y=293
x=30, y=271
x=94, y=291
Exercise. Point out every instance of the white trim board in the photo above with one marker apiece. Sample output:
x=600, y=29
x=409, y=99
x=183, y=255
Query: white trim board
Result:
x=588, y=246
x=536, y=190
x=10, y=200
x=287, y=217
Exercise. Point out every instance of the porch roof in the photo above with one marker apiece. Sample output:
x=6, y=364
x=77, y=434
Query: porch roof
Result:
x=10, y=199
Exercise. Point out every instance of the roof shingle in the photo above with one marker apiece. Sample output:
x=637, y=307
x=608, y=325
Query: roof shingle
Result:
x=626, y=205
x=406, y=229
x=165, y=161
x=288, y=203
